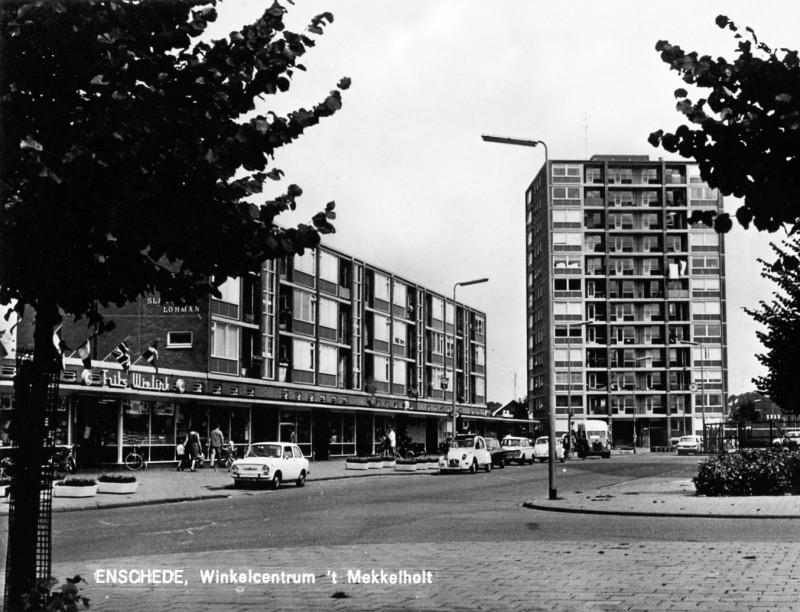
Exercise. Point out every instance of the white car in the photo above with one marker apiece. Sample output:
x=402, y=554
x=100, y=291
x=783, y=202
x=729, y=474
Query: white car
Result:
x=791, y=437
x=466, y=453
x=690, y=444
x=517, y=449
x=541, y=449
x=272, y=463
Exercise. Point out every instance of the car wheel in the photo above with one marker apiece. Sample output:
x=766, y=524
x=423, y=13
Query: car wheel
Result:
x=562, y=460
x=276, y=481
x=301, y=480
x=473, y=466
x=502, y=464
x=237, y=484
x=489, y=466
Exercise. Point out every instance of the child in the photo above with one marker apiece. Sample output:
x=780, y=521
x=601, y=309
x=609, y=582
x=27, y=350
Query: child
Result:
x=180, y=451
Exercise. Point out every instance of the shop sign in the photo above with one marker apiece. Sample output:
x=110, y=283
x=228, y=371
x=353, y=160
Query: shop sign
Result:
x=180, y=386
x=169, y=308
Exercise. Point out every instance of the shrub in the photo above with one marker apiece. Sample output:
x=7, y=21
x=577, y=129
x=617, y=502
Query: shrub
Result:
x=357, y=460
x=406, y=461
x=77, y=482
x=750, y=472
x=120, y=478
x=375, y=459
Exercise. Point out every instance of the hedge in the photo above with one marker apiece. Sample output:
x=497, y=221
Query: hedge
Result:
x=772, y=471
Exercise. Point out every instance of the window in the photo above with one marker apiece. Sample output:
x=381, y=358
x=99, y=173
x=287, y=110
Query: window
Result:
x=704, y=238
x=328, y=359
x=479, y=325
x=328, y=267
x=480, y=356
x=230, y=290
x=437, y=308
x=705, y=284
x=566, y=173
x=480, y=386
x=448, y=346
x=381, y=328
x=381, y=368
x=400, y=331
x=306, y=263
x=225, y=341
x=304, y=306
x=449, y=311
x=400, y=297
x=566, y=239
x=706, y=308
x=381, y=290
x=567, y=284
x=328, y=313
x=399, y=372
x=566, y=218
x=706, y=353
x=437, y=343
x=567, y=308
x=179, y=339
x=303, y=355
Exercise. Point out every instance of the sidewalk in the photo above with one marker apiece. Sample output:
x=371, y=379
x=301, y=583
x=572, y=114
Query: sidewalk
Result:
x=643, y=497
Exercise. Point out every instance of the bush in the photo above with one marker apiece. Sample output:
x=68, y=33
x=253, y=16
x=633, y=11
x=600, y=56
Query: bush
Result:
x=750, y=472
x=357, y=460
x=406, y=461
x=120, y=478
x=77, y=482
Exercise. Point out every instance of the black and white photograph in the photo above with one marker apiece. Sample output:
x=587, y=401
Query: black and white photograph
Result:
x=399, y=305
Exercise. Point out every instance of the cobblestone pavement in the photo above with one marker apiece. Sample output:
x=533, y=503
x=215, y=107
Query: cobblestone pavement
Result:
x=564, y=576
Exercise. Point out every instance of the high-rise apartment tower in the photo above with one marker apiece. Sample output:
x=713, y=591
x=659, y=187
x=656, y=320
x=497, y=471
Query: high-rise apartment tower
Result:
x=626, y=298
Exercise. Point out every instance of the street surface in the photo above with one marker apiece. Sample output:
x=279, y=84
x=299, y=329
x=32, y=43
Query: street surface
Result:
x=465, y=539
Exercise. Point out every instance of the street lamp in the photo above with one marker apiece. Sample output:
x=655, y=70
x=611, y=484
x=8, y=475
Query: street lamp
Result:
x=455, y=353
x=553, y=494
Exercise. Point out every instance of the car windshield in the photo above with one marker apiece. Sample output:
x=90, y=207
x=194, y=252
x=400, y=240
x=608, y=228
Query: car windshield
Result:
x=463, y=443
x=688, y=439
x=264, y=450
x=508, y=442
x=541, y=441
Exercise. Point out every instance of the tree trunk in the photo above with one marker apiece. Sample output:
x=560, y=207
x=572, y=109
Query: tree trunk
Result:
x=29, y=545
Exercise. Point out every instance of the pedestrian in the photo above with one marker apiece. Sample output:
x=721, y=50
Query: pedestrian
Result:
x=392, y=440
x=293, y=437
x=180, y=451
x=195, y=449
x=215, y=443
x=565, y=443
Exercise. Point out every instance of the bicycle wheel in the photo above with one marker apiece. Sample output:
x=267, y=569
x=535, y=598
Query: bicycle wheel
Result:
x=134, y=461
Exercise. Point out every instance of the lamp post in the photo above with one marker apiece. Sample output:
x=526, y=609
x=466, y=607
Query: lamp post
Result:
x=455, y=352
x=553, y=493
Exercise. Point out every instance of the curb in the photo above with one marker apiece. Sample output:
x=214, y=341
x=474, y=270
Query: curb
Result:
x=642, y=513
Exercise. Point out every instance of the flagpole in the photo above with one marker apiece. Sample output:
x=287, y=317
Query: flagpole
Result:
x=115, y=348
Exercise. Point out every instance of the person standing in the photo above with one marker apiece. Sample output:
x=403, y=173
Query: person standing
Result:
x=216, y=442
x=194, y=449
x=180, y=451
x=392, y=440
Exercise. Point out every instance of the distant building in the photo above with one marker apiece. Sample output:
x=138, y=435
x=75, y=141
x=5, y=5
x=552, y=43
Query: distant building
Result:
x=325, y=346
x=626, y=298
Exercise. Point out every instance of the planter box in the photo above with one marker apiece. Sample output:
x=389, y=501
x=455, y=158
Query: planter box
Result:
x=375, y=465
x=117, y=488
x=356, y=466
x=405, y=467
x=389, y=464
x=4, y=491
x=62, y=491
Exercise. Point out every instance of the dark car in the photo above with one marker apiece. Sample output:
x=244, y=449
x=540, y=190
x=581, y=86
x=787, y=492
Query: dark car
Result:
x=497, y=452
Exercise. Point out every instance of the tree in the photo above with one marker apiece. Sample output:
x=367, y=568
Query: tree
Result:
x=747, y=135
x=129, y=151
x=781, y=320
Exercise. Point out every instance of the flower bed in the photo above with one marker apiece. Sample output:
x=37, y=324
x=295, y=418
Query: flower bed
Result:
x=356, y=463
x=117, y=484
x=75, y=487
x=750, y=472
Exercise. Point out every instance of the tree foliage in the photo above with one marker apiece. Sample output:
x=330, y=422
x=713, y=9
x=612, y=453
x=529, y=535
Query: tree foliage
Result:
x=129, y=149
x=781, y=321
x=745, y=134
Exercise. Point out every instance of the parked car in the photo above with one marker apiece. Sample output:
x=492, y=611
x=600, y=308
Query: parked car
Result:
x=689, y=445
x=518, y=449
x=790, y=437
x=466, y=453
x=541, y=449
x=497, y=452
x=272, y=463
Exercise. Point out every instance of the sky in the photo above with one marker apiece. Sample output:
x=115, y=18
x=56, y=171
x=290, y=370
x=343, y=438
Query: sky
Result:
x=420, y=194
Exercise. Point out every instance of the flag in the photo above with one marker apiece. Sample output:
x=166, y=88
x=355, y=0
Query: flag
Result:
x=84, y=352
x=60, y=346
x=151, y=355
x=122, y=356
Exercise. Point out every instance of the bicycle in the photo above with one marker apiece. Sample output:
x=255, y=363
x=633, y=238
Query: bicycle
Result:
x=134, y=460
x=64, y=460
x=227, y=457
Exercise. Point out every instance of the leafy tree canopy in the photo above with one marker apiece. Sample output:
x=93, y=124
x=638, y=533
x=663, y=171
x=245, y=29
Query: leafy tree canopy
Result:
x=129, y=149
x=745, y=135
x=781, y=321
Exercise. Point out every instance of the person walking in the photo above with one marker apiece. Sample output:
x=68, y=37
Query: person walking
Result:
x=215, y=444
x=180, y=451
x=195, y=449
x=392, y=440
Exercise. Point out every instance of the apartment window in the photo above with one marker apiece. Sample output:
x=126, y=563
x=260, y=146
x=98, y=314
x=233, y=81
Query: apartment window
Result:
x=328, y=313
x=565, y=309
x=707, y=331
x=566, y=239
x=230, y=291
x=306, y=263
x=303, y=357
x=621, y=198
x=381, y=328
x=705, y=265
x=437, y=308
x=706, y=353
x=437, y=343
x=702, y=192
x=400, y=297
x=479, y=386
x=381, y=287
x=304, y=306
x=564, y=263
x=479, y=325
x=703, y=238
x=329, y=267
x=399, y=333
x=480, y=356
x=177, y=340
x=449, y=312
x=399, y=372
x=567, y=284
x=566, y=173
x=705, y=285
x=594, y=175
x=381, y=370
x=328, y=359
x=566, y=218
x=225, y=341
x=704, y=308
x=448, y=346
